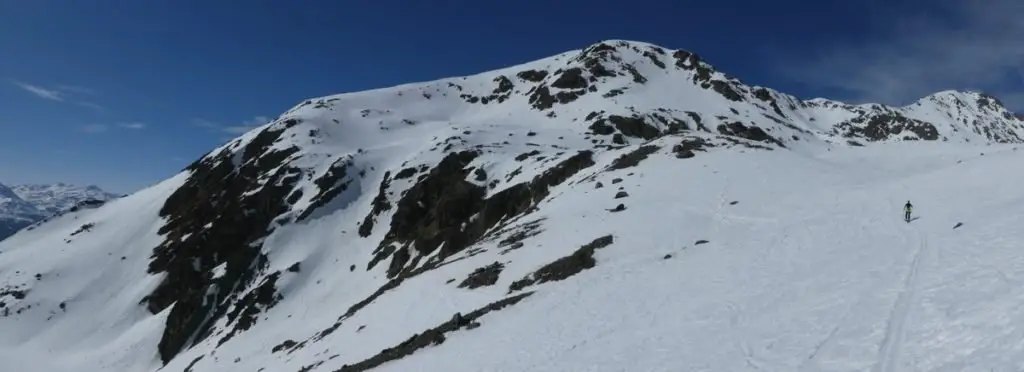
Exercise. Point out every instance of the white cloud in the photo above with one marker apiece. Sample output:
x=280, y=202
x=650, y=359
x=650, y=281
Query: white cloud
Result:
x=91, y=105
x=50, y=94
x=100, y=128
x=949, y=44
x=61, y=93
x=132, y=125
x=243, y=128
x=238, y=129
x=247, y=125
x=257, y=121
x=94, y=128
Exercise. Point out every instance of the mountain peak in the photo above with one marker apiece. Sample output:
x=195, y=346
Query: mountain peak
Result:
x=978, y=97
x=515, y=177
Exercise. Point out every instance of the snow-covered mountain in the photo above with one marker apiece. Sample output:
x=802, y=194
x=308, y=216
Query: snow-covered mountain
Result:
x=619, y=207
x=58, y=197
x=15, y=212
x=23, y=205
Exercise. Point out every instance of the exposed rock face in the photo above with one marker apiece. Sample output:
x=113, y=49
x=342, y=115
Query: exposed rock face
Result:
x=438, y=209
x=565, y=267
x=217, y=218
x=482, y=277
x=878, y=127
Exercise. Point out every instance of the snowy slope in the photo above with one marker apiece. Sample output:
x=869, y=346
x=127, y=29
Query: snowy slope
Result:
x=59, y=197
x=621, y=207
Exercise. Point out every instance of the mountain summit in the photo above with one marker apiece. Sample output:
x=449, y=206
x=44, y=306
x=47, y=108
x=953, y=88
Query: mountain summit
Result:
x=623, y=206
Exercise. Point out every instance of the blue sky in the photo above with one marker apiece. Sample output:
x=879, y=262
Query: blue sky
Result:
x=123, y=94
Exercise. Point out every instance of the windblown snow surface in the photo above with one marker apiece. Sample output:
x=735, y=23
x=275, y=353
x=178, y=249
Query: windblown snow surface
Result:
x=414, y=229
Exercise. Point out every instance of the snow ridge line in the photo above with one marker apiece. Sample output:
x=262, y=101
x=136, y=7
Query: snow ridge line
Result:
x=895, y=332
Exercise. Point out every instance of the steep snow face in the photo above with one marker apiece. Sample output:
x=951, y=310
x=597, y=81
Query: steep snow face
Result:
x=622, y=193
x=59, y=197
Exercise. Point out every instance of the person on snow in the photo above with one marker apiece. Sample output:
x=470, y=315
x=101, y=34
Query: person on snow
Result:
x=907, y=208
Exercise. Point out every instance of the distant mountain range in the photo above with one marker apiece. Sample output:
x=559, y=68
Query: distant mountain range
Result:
x=23, y=205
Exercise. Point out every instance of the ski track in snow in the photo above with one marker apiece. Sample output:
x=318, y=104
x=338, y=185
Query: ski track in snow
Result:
x=902, y=313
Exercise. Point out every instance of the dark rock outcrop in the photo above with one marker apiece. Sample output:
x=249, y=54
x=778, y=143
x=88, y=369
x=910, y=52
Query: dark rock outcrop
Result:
x=218, y=217
x=878, y=126
x=433, y=336
x=482, y=277
x=633, y=158
x=565, y=267
x=335, y=181
x=634, y=126
x=535, y=76
x=438, y=209
x=752, y=133
x=380, y=205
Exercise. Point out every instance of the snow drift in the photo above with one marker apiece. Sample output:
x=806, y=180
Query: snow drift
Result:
x=620, y=207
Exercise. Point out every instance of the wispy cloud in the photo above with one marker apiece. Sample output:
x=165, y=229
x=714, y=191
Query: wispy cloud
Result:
x=94, y=128
x=242, y=128
x=247, y=125
x=102, y=128
x=237, y=129
x=132, y=125
x=93, y=106
x=61, y=93
x=949, y=44
x=50, y=94
x=67, y=93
